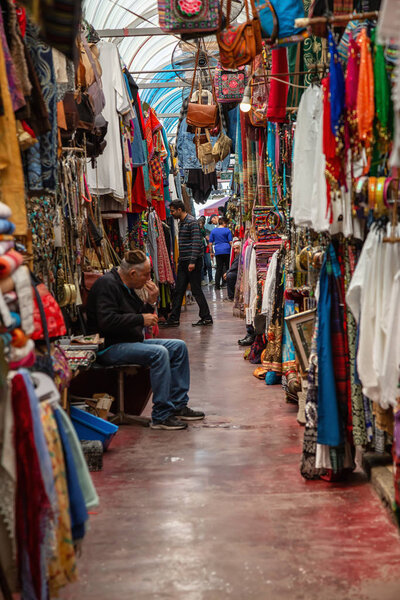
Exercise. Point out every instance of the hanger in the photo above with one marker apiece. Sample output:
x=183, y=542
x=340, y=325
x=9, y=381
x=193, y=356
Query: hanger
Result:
x=45, y=388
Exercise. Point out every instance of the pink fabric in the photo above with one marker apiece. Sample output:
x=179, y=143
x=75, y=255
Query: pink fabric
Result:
x=165, y=274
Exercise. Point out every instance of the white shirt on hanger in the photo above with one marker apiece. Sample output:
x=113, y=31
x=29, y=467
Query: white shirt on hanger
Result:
x=109, y=178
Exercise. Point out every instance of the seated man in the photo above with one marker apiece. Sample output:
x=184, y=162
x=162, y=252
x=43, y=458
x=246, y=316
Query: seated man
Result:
x=119, y=315
x=231, y=275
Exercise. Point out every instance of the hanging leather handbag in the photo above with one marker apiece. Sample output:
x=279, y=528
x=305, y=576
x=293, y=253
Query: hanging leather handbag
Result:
x=85, y=110
x=95, y=89
x=229, y=84
x=203, y=116
x=189, y=16
x=277, y=19
x=239, y=44
x=89, y=278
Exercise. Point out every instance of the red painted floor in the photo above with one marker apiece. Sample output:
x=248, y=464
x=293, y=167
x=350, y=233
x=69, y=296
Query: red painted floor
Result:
x=221, y=511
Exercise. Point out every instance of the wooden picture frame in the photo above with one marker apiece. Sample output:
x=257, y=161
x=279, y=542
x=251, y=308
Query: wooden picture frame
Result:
x=301, y=328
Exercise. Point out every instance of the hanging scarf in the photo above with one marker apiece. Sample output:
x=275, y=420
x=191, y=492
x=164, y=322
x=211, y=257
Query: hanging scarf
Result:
x=382, y=93
x=243, y=120
x=330, y=431
x=337, y=87
x=365, y=93
x=278, y=92
x=32, y=504
x=352, y=139
x=165, y=274
x=151, y=126
x=334, y=167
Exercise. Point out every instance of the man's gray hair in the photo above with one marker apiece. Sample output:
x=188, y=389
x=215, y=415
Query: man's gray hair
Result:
x=132, y=259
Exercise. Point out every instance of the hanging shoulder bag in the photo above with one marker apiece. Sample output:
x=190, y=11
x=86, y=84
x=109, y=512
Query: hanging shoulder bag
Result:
x=203, y=116
x=222, y=147
x=229, y=84
x=189, y=16
x=239, y=44
x=277, y=19
x=95, y=89
x=204, y=152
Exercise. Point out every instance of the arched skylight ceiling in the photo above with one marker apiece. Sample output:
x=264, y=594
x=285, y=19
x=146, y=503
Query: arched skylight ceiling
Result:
x=141, y=53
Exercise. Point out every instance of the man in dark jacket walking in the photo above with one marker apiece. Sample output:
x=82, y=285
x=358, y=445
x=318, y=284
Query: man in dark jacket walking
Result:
x=190, y=267
x=116, y=312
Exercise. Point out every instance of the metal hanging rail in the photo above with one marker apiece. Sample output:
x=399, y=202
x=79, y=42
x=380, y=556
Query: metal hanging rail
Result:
x=130, y=32
x=336, y=20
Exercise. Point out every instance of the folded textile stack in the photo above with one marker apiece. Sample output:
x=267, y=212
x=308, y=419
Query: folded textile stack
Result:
x=16, y=302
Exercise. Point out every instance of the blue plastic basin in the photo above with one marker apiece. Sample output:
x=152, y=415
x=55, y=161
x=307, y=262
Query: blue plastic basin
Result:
x=90, y=427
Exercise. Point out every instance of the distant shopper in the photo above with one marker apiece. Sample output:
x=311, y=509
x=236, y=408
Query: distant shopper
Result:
x=231, y=275
x=212, y=223
x=221, y=238
x=207, y=266
x=190, y=267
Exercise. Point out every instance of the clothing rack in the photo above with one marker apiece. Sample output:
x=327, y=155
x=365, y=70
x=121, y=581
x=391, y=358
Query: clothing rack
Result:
x=336, y=19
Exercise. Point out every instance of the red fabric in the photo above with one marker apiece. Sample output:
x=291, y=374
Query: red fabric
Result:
x=28, y=129
x=278, y=92
x=139, y=200
x=333, y=171
x=54, y=317
x=21, y=18
x=32, y=502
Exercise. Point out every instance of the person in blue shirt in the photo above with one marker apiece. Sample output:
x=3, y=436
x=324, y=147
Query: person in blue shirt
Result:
x=221, y=238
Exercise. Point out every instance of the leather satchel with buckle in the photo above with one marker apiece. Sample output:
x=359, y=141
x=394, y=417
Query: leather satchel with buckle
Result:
x=240, y=44
x=203, y=116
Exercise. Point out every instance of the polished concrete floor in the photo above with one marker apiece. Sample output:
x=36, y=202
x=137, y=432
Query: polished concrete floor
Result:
x=221, y=511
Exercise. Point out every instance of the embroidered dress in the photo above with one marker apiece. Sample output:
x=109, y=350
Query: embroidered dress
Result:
x=273, y=355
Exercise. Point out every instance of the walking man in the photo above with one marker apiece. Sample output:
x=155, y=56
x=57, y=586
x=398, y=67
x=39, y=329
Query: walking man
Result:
x=190, y=267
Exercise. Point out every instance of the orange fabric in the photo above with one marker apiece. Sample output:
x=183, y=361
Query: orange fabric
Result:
x=365, y=94
x=11, y=174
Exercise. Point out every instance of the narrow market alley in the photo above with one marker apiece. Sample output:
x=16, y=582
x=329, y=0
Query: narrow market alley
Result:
x=221, y=510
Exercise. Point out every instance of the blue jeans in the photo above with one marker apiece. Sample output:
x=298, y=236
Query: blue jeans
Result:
x=207, y=268
x=169, y=371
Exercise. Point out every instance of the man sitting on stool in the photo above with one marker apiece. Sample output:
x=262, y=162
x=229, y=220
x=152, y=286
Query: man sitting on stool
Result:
x=119, y=315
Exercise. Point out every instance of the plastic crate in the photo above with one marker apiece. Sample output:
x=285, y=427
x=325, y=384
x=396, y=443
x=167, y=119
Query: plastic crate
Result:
x=90, y=427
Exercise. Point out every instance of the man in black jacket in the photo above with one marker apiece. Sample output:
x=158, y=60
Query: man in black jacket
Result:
x=115, y=310
x=190, y=266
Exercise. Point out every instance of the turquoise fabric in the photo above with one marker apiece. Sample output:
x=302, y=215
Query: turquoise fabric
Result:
x=85, y=480
x=329, y=427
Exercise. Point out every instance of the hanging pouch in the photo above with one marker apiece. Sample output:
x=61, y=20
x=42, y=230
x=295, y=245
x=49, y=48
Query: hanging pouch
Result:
x=189, y=17
x=239, y=44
